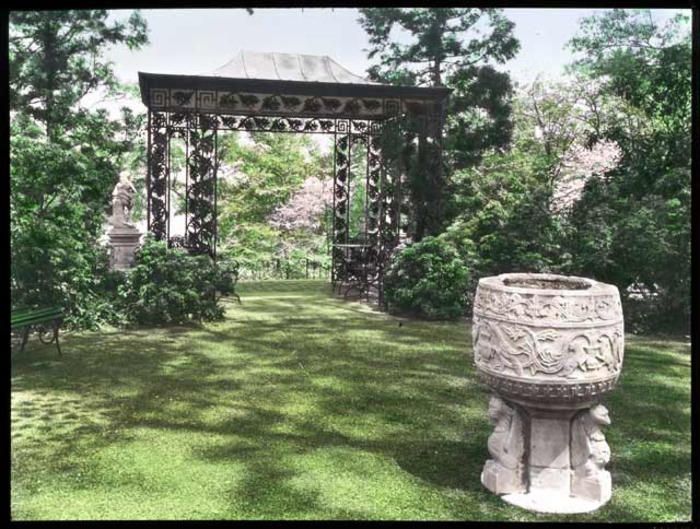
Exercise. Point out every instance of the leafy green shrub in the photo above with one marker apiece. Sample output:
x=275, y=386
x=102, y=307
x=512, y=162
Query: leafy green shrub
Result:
x=427, y=279
x=57, y=198
x=167, y=285
x=658, y=315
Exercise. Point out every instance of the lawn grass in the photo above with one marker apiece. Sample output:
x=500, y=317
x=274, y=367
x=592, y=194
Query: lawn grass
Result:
x=302, y=406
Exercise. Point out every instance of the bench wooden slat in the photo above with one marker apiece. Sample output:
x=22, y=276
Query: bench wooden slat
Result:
x=35, y=316
x=38, y=309
x=35, y=321
x=29, y=319
x=31, y=310
x=32, y=317
x=25, y=312
x=36, y=313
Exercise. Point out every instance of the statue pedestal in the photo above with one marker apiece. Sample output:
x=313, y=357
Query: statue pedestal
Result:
x=123, y=241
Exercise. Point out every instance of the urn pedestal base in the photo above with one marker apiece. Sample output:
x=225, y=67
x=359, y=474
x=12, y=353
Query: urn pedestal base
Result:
x=556, y=458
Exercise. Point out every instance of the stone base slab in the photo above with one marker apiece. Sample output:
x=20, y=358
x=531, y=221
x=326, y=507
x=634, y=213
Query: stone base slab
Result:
x=551, y=502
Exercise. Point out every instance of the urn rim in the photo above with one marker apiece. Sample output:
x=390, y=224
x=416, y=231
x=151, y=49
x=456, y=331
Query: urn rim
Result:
x=529, y=283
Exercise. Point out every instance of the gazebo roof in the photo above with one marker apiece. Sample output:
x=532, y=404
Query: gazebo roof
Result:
x=287, y=67
x=252, y=82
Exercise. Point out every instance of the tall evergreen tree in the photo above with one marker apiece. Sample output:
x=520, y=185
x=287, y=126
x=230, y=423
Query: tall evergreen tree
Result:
x=457, y=48
x=56, y=58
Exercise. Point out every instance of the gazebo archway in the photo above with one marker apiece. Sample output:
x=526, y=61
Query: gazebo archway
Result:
x=281, y=92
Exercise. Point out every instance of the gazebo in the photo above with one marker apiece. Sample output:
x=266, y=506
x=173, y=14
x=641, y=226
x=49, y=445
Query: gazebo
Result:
x=282, y=92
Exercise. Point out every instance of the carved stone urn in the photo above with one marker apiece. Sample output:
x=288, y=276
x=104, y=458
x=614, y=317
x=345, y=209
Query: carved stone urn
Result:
x=550, y=347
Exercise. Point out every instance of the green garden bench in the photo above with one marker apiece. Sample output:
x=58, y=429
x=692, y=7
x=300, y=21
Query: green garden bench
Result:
x=43, y=320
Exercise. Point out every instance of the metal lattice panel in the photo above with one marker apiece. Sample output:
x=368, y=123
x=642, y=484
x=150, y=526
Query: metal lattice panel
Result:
x=158, y=175
x=201, y=191
x=341, y=205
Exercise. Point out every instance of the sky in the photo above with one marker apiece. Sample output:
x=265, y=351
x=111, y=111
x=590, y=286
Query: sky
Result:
x=197, y=41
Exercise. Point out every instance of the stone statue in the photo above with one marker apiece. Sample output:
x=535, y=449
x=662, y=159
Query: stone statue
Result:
x=123, y=234
x=122, y=202
x=504, y=472
x=590, y=453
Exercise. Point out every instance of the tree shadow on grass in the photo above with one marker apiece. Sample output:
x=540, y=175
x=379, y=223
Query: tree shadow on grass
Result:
x=287, y=377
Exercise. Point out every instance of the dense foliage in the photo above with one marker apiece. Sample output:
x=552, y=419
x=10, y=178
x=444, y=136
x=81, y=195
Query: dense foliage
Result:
x=597, y=179
x=275, y=199
x=457, y=48
x=167, y=285
x=637, y=223
x=427, y=279
x=589, y=175
x=65, y=158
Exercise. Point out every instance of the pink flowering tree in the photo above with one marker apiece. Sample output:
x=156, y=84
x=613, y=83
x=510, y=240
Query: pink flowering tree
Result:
x=557, y=119
x=577, y=166
x=305, y=209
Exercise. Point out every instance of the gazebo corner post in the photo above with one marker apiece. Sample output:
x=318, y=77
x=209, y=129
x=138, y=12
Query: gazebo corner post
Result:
x=365, y=203
x=201, y=193
x=168, y=135
x=148, y=172
x=373, y=205
x=341, y=203
x=157, y=176
x=186, y=137
x=349, y=189
x=332, y=223
x=389, y=196
x=215, y=212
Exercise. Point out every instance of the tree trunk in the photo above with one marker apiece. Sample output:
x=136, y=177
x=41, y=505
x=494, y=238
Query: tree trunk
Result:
x=48, y=38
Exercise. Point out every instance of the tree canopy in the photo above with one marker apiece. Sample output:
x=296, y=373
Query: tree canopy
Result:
x=597, y=179
x=56, y=58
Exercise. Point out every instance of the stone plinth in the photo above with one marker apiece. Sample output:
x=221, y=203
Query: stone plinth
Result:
x=550, y=347
x=123, y=242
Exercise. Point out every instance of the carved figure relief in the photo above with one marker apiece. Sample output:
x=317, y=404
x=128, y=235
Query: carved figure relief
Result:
x=504, y=472
x=589, y=450
x=563, y=353
x=506, y=443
